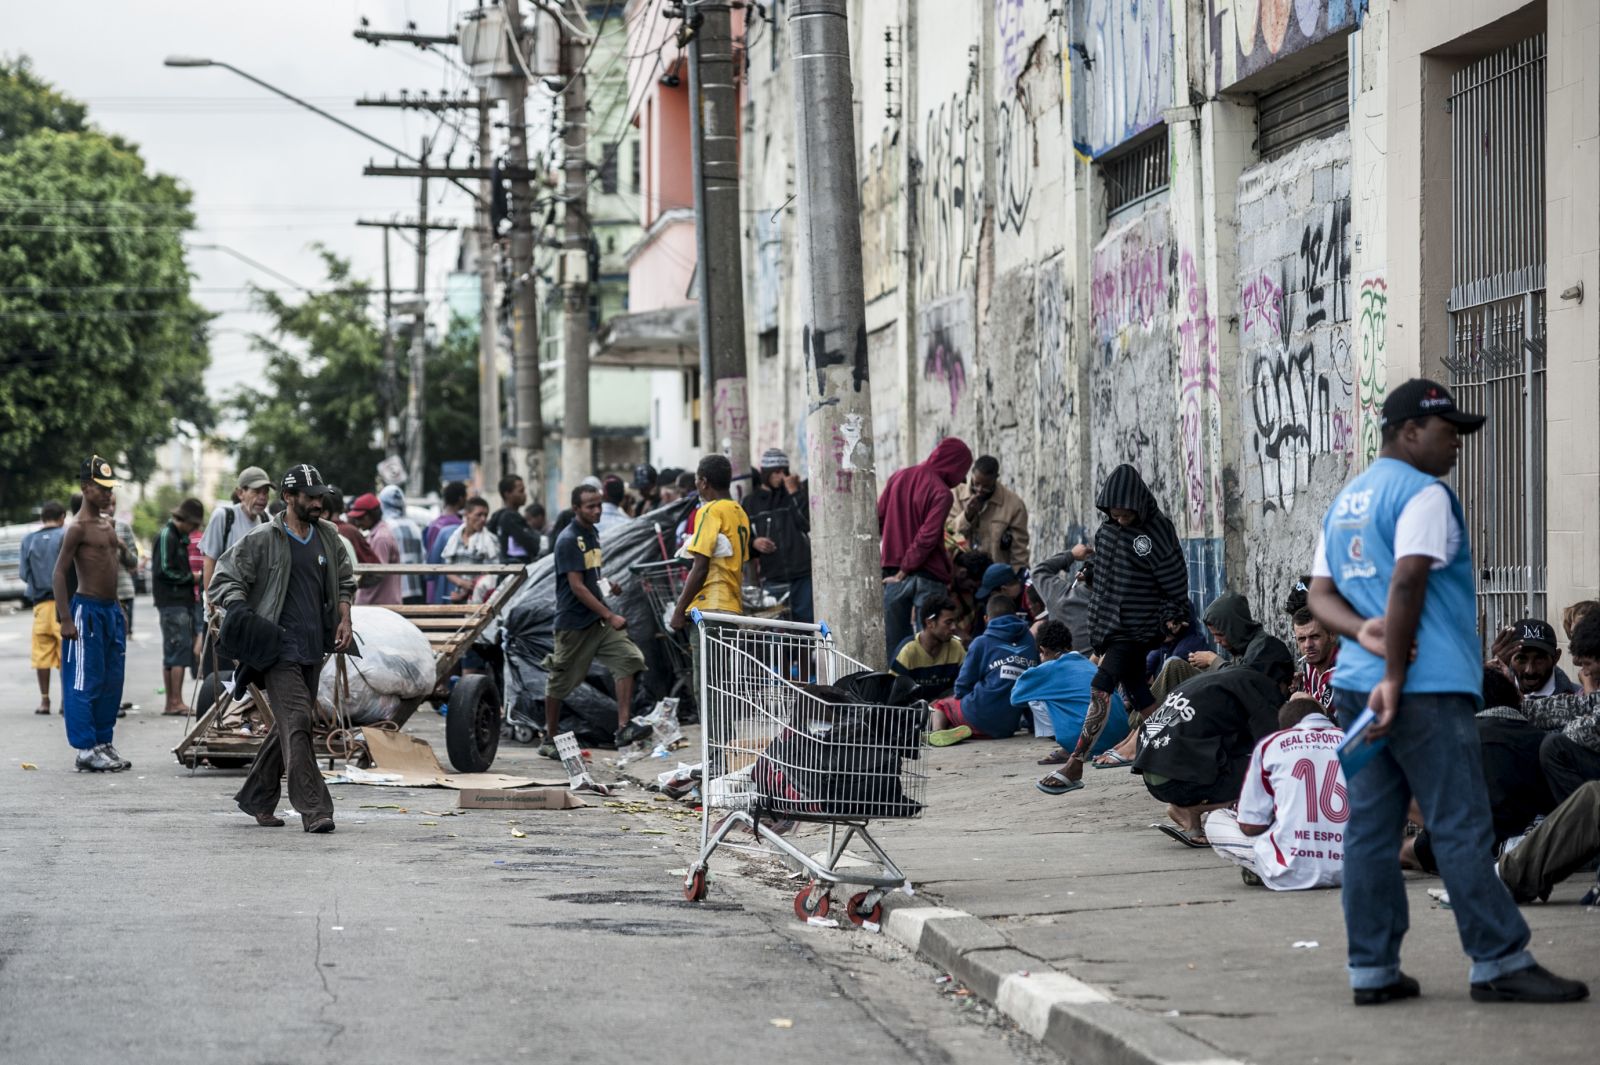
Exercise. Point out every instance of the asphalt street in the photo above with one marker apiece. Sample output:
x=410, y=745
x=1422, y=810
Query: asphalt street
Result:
x=143, y=918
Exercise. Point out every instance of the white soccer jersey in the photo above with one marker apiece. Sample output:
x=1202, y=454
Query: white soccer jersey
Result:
x=1295, y=784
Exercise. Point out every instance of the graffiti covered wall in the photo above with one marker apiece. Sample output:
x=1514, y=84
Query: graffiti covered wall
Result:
x=1133, y=367
x=1121, y=70
x=1298, y=358
x=1248, y=35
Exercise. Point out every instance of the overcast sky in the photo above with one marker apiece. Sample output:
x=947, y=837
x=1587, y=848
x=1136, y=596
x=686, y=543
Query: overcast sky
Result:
x=269, y=179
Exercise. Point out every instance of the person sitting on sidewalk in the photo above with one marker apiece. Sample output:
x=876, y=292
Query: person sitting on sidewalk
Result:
x=1057, y=689
x=1319, y=654
x=1197, y=745
x=1288, y=831
x=967, y=569
x=1184, y=635
x=1571, y=757
x=1063, y=586
x=1529, y=648
x=932, y=658
x=1566, y=842
x=1242, y=639
x=1512, y=776
x=1001, y=579
x=981, y=707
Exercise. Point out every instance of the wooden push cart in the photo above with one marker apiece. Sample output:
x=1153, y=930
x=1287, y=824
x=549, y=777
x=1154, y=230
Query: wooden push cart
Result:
x=228, y=732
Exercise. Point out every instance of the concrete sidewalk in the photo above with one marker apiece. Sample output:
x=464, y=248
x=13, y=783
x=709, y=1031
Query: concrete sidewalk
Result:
x=1196, y=965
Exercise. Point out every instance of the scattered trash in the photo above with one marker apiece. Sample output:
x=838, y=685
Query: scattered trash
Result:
x=382, y=806
x=1441, y=896
x=781, y=1022
x=1172, y=1013
x=337, y=928
x=429, y=824
x=1305, y=944
x=945, y=979
x=517, y=833
x=822, y=922
x=29, y=765
x=578, y=778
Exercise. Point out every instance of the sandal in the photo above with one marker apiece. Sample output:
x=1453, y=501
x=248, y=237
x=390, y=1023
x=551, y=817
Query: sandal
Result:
x=1056, y=784
x=45, y=710
x=1058, y=756
x=1196, y=842
x=1111, y=760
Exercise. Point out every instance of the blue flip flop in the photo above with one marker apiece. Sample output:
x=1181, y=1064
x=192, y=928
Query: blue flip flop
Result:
x=1056, y=784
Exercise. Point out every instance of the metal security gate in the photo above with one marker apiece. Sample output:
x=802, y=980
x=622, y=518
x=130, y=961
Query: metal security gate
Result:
x=1497, y=312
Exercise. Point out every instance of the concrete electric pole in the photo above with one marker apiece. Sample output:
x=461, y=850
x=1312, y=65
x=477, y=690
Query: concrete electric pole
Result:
x=416, y=482
x=714, y=96
x=577, y=455
x=523, y=281
x=489, y=460
x=839, y=440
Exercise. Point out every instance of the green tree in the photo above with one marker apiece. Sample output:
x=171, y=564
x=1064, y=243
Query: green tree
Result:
x=321, y=400
x=101, y=346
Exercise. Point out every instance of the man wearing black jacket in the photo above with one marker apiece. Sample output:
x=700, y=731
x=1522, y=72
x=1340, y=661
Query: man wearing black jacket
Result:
x=1140, y=576
x=518, y=543
x=781, y=523
x=172, y=586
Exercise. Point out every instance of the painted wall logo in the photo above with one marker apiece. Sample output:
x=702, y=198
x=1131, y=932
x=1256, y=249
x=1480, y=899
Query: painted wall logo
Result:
x=1141, y=545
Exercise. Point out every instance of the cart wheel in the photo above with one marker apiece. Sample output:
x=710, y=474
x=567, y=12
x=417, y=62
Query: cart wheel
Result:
x=523, y=734
x=805, y=908
x=859, y=914
x=230, y=761
x=694, y=886
x=472, y=728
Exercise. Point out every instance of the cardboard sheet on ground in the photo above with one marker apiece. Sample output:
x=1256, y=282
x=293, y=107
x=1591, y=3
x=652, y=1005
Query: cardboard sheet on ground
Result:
x=403, y=761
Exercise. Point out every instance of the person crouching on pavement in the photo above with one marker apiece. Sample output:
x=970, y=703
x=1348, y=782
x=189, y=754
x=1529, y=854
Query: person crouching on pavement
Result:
x=586, y=629
x=292, y=574
x=1288, y=831
x=1058, y=689
x=981, y=707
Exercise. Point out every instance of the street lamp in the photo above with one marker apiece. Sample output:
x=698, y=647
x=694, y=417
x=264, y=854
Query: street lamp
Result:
x=196, y=61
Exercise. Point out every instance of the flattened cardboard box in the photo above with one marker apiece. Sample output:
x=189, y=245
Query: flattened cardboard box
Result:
x=518, y=799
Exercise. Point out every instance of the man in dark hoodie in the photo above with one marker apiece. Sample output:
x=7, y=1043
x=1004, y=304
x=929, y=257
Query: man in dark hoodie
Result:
x=1242, y=639
x=911, y=514
x=1140, y=576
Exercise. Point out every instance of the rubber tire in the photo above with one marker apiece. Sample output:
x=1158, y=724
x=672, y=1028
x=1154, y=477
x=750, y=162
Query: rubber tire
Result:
x=694, y=886
x=208, y=691
x=472, y=727
x=853, y=911
x=803, y=898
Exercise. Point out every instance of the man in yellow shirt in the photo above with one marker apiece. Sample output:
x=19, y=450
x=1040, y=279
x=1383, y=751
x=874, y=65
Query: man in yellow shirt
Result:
x=719, y=549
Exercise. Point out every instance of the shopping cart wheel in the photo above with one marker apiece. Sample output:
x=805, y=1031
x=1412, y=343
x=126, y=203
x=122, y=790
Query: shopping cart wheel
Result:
x=523, y=734
x=859, y=914
x=806, y=907
x=694, y=886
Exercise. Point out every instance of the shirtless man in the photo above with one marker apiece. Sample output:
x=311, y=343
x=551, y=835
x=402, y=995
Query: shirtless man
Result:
x=94, y=631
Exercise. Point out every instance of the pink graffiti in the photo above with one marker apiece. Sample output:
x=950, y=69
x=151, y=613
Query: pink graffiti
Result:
x=1261, y=303
x=1128, y=283
x=1343, y=431
x=1199, y=382
x=843, y=479
x=944, y=363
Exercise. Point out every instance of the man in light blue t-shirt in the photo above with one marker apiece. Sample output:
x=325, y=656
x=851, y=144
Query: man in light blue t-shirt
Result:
x=1393, y=577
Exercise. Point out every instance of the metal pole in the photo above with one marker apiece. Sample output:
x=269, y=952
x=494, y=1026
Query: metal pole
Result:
x=577, y=459
x=714, y=96
x=839, y=438
x=524, y=294
x=488, y=325
x=416, y=483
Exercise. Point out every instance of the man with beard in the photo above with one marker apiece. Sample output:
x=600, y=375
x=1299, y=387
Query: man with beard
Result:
x=293, y=575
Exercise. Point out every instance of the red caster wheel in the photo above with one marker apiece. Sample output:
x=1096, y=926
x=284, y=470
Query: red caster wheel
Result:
x=858, y=913
x=805, y=907
x=694, y=886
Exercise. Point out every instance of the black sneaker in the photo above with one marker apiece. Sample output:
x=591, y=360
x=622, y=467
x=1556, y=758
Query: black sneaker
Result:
x=96, y=760
x=632, y=733
x=1250, y=878
x=1533, y=984
x=112, y=752
x=1404, y=987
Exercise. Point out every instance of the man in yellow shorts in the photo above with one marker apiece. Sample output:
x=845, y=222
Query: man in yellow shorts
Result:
x=37, y=566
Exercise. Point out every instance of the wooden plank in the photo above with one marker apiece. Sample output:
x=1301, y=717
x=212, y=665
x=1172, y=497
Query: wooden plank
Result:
x=433, y=610
x=452, y=624
x=432, y=568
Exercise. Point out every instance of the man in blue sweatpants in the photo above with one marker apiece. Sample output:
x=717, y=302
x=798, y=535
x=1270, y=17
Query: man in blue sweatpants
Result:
x=94, y=630
x=1393, y=577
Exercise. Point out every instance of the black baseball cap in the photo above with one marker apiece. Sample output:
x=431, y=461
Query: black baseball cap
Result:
x=644, y=475
x=1422, y=398
x=1537, y=634
x=99, y=471
x=304, y=479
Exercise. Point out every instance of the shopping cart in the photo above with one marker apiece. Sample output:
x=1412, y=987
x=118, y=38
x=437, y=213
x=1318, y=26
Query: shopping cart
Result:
x=780, y=745
x=662, y=583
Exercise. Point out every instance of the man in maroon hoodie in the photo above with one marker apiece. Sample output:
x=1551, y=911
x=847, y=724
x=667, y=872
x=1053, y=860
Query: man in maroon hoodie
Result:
x=911, y=513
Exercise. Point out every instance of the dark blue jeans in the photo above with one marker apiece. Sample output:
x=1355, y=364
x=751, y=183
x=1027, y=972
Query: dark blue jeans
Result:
x=1433, y=755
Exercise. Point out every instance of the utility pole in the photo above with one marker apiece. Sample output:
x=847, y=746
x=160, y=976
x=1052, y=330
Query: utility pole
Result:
x=524, y=294
x=416, y=483
x=714, y=95
x=489, y=462
x=577, y=455
x=489, y=404
x=839, y=439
